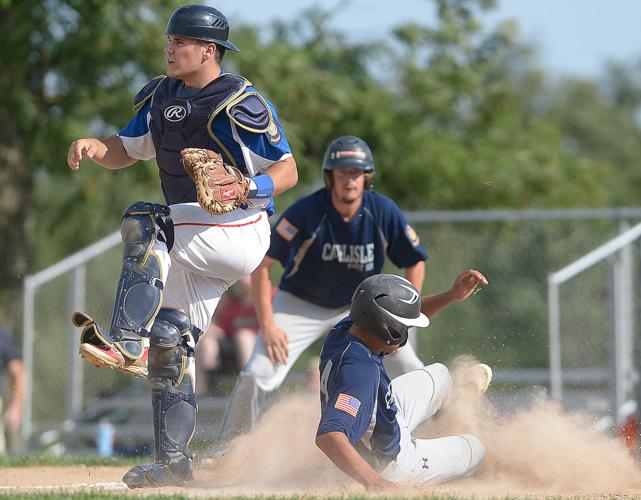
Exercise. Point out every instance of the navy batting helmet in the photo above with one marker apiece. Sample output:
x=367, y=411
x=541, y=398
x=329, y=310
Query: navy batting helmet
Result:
x=202, y=23
x=387, y=306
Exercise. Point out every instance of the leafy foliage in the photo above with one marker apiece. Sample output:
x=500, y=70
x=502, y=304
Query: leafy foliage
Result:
x=457, y=115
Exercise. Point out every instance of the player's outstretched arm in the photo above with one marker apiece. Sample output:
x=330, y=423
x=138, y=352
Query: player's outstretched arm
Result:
x=275, y=339
x=340, y=451
x=416, y=274
x=464, y=285
x=284, y=175
x=108, y=153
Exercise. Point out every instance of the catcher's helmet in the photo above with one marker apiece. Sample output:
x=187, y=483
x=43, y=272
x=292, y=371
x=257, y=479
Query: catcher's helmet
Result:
x=387, y=306
x=202, y=23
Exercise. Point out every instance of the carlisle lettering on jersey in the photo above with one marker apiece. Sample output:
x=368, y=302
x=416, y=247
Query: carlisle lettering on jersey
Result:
x=350, y=254
x=315, y=245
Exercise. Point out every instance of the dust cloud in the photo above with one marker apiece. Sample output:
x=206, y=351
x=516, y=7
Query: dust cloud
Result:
x=539, y=450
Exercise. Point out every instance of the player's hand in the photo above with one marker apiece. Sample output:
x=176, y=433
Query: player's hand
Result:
x=276, y=344
x=382, y=484
x=13, y=418
x=82, y=148
x=466, y=283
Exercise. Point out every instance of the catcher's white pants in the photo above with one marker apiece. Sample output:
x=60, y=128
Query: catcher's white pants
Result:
x=419, y=394
x=210, y=254
x=304, y=323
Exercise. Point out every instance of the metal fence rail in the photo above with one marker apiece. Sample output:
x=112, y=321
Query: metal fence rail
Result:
x=76, y=264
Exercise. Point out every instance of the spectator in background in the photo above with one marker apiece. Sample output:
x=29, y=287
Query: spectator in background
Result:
x=234, y=327
x=236, y=317
x=11, y=364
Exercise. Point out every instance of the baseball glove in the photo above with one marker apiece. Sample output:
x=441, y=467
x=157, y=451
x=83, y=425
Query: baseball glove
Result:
x=220, y=188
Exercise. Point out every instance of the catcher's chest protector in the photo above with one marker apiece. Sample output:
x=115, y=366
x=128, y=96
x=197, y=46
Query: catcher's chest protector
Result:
x=180, y=123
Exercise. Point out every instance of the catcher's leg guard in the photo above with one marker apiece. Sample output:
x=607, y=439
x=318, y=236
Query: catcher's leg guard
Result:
x=171, y=375
x=139, y=293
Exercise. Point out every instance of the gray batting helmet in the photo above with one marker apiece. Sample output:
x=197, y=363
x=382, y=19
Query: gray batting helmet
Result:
x=202, y=23
x=387, y=306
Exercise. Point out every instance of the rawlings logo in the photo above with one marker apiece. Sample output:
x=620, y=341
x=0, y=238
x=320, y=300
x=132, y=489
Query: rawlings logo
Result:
x=175, y=113
x=228, y=193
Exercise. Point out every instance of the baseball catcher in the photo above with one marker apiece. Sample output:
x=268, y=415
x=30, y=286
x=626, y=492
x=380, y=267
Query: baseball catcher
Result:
x=212, y=231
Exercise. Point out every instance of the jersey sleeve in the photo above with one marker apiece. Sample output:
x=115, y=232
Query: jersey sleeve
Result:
x=351, y=400
x=262, y=149
x=404, y=245
x=136, y=136
x=287, y=233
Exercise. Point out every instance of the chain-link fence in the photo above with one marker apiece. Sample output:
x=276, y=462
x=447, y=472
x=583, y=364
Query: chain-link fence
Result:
x=504, y=324
x=593, y=306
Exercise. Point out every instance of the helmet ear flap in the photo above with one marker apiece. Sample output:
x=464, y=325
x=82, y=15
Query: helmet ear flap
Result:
x=369, y=184
x=328, y=178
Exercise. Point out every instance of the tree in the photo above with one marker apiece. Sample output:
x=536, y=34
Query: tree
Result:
x=469, y=137
x=600, y=120
x=457, y=115
x=67, y=64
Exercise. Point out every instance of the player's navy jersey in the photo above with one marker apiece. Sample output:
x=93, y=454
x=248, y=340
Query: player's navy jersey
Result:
x=172, y=117
x=325, y=258
x=356, y=396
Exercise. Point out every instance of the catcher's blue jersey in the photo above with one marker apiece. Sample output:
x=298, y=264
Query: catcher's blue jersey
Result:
x=325, y=258
x=356, y=396
x=171, y=117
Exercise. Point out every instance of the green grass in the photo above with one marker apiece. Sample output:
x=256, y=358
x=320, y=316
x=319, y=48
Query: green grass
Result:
x=52, y=461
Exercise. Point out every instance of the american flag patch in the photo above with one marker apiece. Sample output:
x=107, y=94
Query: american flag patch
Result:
x=286, y=229
x=348, y=404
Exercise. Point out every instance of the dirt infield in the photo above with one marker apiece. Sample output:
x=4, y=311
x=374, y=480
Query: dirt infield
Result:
x=539, y=451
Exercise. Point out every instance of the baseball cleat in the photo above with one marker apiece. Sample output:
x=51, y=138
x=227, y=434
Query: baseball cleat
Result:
x=158, y=475
x=482, y=377
x=107, y=357
x=97, y=350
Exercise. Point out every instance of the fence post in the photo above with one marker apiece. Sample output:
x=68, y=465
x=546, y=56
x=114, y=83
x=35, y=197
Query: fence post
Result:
x=621, y=339
x=28, y=335
x=77, y=303
x=556, y=382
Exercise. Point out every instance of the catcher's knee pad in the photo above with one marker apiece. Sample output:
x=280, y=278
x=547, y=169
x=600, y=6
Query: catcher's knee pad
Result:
x=171, y=375
x=139, y=293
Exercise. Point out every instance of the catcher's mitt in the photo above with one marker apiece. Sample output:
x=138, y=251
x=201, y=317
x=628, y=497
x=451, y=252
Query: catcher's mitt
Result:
x=220, y=188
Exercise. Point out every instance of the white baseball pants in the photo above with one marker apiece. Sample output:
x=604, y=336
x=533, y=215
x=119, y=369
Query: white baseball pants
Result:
x=419, y=394
x=210, y=254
